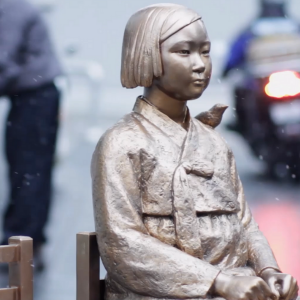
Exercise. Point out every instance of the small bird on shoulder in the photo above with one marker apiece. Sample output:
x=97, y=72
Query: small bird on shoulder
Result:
x=212, y=117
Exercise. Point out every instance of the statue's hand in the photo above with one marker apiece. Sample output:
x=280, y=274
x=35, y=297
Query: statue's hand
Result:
x=284, y=286
x=242, y=288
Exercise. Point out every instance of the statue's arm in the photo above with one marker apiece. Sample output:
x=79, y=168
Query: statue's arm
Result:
x=259, y=251
x=133, y=258
x=261, y=258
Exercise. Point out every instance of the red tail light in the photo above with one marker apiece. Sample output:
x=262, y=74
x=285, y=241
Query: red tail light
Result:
x=283, y=84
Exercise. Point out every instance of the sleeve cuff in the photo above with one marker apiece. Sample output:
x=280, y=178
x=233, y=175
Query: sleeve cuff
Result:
x=275, y=269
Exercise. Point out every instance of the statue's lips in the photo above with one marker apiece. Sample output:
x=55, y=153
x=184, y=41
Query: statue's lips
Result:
x=199, y=81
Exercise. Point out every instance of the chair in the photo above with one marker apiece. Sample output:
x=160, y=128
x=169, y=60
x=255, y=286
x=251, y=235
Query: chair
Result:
x=88, y=285
x=18, y=254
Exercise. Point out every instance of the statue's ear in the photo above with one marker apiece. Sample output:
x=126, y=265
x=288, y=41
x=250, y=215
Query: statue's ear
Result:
x=212, y=117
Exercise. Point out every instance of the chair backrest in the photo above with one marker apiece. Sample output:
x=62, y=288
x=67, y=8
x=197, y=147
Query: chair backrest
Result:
x=18, y=254
x=88, y=285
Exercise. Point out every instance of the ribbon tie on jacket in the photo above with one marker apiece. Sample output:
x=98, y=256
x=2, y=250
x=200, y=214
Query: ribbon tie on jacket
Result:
x=184, y=213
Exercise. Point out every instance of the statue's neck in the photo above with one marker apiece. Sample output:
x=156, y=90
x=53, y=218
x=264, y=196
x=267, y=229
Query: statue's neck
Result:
x=173, y=108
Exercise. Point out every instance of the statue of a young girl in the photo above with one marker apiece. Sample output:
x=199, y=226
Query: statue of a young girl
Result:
x=171, y=218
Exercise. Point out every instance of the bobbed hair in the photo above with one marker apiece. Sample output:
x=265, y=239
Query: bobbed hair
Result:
x=144, y=32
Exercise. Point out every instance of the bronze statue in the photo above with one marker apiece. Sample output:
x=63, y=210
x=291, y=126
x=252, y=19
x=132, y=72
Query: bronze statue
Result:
x=171, y=218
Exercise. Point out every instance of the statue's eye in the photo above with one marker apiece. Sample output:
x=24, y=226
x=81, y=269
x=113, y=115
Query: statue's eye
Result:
x=185, y=52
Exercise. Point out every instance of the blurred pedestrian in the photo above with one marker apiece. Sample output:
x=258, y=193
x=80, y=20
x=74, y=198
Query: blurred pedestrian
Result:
x=28, y=67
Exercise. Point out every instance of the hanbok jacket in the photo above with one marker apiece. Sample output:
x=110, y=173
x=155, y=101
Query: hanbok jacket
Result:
x=170, y=210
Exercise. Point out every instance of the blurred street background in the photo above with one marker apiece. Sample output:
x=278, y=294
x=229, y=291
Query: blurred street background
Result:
x=88, y=38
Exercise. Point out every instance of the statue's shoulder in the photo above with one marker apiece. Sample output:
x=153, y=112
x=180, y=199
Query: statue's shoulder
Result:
x=212, y=117
x=209, y=120
x=117, y=138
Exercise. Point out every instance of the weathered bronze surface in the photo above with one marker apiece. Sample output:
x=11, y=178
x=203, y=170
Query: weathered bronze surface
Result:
x=171, y=218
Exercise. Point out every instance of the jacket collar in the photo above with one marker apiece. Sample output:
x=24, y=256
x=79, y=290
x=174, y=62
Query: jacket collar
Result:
x=162, y=121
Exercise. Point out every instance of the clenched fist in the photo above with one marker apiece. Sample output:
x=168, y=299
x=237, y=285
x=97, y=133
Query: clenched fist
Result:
x=284, y=286
x=242, y=288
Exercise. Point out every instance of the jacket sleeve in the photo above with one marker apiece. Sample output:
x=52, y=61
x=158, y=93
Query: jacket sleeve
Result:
x=133, y=258
x=39, y=61
x=259, y=251
x=13, y=19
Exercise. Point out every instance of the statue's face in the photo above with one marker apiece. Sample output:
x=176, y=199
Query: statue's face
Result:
x=186, y=63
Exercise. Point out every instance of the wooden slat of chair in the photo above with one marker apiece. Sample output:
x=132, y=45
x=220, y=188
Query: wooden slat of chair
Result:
x=9, y=294
x=18, y=254
x=87, y=268
x=9, y=253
